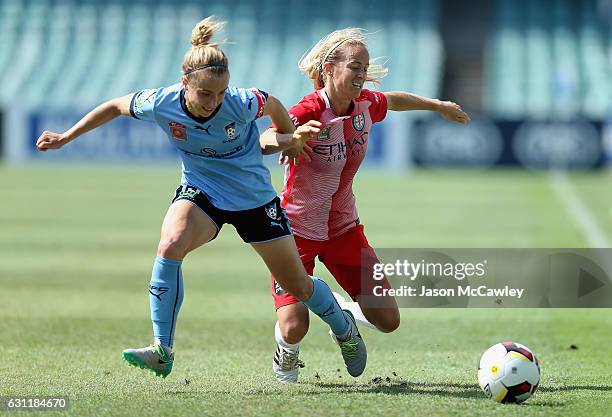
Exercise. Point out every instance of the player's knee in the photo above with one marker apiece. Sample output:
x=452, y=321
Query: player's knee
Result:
x=172, y=247
x=294, y=329
x=389, y=322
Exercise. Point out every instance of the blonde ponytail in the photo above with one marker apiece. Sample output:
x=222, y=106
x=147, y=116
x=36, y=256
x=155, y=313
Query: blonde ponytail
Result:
x=203, y=32
x=331, y=49
x=203, y=53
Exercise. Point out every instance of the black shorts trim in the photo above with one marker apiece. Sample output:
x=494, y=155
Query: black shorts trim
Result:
x=258, y=225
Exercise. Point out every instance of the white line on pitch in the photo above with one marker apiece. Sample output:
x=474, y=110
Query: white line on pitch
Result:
x=578, y=211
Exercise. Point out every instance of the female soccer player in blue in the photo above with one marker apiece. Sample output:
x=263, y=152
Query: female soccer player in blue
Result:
x=224, y=181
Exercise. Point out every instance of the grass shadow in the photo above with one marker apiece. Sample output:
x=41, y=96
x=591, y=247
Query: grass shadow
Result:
x=402, y=387
x=576, y=388
x=441, y=389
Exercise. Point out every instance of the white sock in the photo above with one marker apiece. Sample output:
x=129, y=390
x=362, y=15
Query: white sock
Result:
x=279, y=339
x=354, y=308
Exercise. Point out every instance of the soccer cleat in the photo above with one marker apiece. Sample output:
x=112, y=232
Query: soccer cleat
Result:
x=353, y=348
x=286, y=365
x=156, y=358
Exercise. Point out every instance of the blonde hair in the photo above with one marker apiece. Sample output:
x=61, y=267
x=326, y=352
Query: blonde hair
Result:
x=331, y=49
x=203, y=53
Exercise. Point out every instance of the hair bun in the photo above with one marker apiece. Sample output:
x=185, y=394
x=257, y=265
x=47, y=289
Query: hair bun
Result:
x=203, y=32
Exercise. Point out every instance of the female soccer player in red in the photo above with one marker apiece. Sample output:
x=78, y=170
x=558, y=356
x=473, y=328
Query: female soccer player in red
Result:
x=224, y=180
x=317, y=194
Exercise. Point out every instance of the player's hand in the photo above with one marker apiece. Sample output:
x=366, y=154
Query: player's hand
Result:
x=453, y=112
x=305, y=132
x=293, y=154
x=288, y=155
x=51, y=140
x=299, y=146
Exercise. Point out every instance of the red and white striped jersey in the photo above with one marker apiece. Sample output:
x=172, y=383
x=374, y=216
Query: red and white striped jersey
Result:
x=318, y=195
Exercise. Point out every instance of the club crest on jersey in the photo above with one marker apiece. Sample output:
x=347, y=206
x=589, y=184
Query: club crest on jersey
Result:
x=325, y=133
x=271, y=211
x=178, y=131
x=230, y=131
x=359, y=122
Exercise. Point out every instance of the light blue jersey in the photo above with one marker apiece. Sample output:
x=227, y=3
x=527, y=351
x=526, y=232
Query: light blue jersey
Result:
x=221, y=154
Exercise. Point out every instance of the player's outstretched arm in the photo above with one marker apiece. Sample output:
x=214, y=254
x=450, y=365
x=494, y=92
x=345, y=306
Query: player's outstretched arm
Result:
x=104, y=113
x=403, y=101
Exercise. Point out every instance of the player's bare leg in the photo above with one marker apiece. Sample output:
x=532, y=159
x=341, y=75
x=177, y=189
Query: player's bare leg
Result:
x=293, y=322
x=293, y=319
x=385, y=318
x=282, y=258
x=185, y=228
x=290, y=329
x=381, y=311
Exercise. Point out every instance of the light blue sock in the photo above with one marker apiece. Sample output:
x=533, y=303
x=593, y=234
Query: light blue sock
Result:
x=324, y=305
x=165, y=297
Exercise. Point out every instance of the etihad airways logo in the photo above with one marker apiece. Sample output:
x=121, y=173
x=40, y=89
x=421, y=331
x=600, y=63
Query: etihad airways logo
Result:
x=342, y=150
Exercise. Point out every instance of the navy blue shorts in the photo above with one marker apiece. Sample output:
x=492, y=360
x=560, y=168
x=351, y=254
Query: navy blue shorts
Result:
x=260, y=224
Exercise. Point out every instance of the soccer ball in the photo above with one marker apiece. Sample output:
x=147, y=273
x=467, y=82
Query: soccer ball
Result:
x=509, y=372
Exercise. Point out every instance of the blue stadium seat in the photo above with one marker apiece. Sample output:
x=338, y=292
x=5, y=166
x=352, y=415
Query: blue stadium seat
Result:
x=77, y=53
x=549, y=59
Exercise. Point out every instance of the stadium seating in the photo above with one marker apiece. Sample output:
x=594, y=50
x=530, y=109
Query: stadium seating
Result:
x=543, y=58
x=549, y=59
x=76, y=53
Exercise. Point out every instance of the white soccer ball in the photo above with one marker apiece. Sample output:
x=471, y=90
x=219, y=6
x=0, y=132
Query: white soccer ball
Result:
x=508, y=372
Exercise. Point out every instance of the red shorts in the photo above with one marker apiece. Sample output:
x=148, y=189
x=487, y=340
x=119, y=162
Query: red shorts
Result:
x=342, y=256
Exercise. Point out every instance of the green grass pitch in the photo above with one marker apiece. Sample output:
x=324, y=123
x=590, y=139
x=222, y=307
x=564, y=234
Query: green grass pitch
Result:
x=76, y=250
